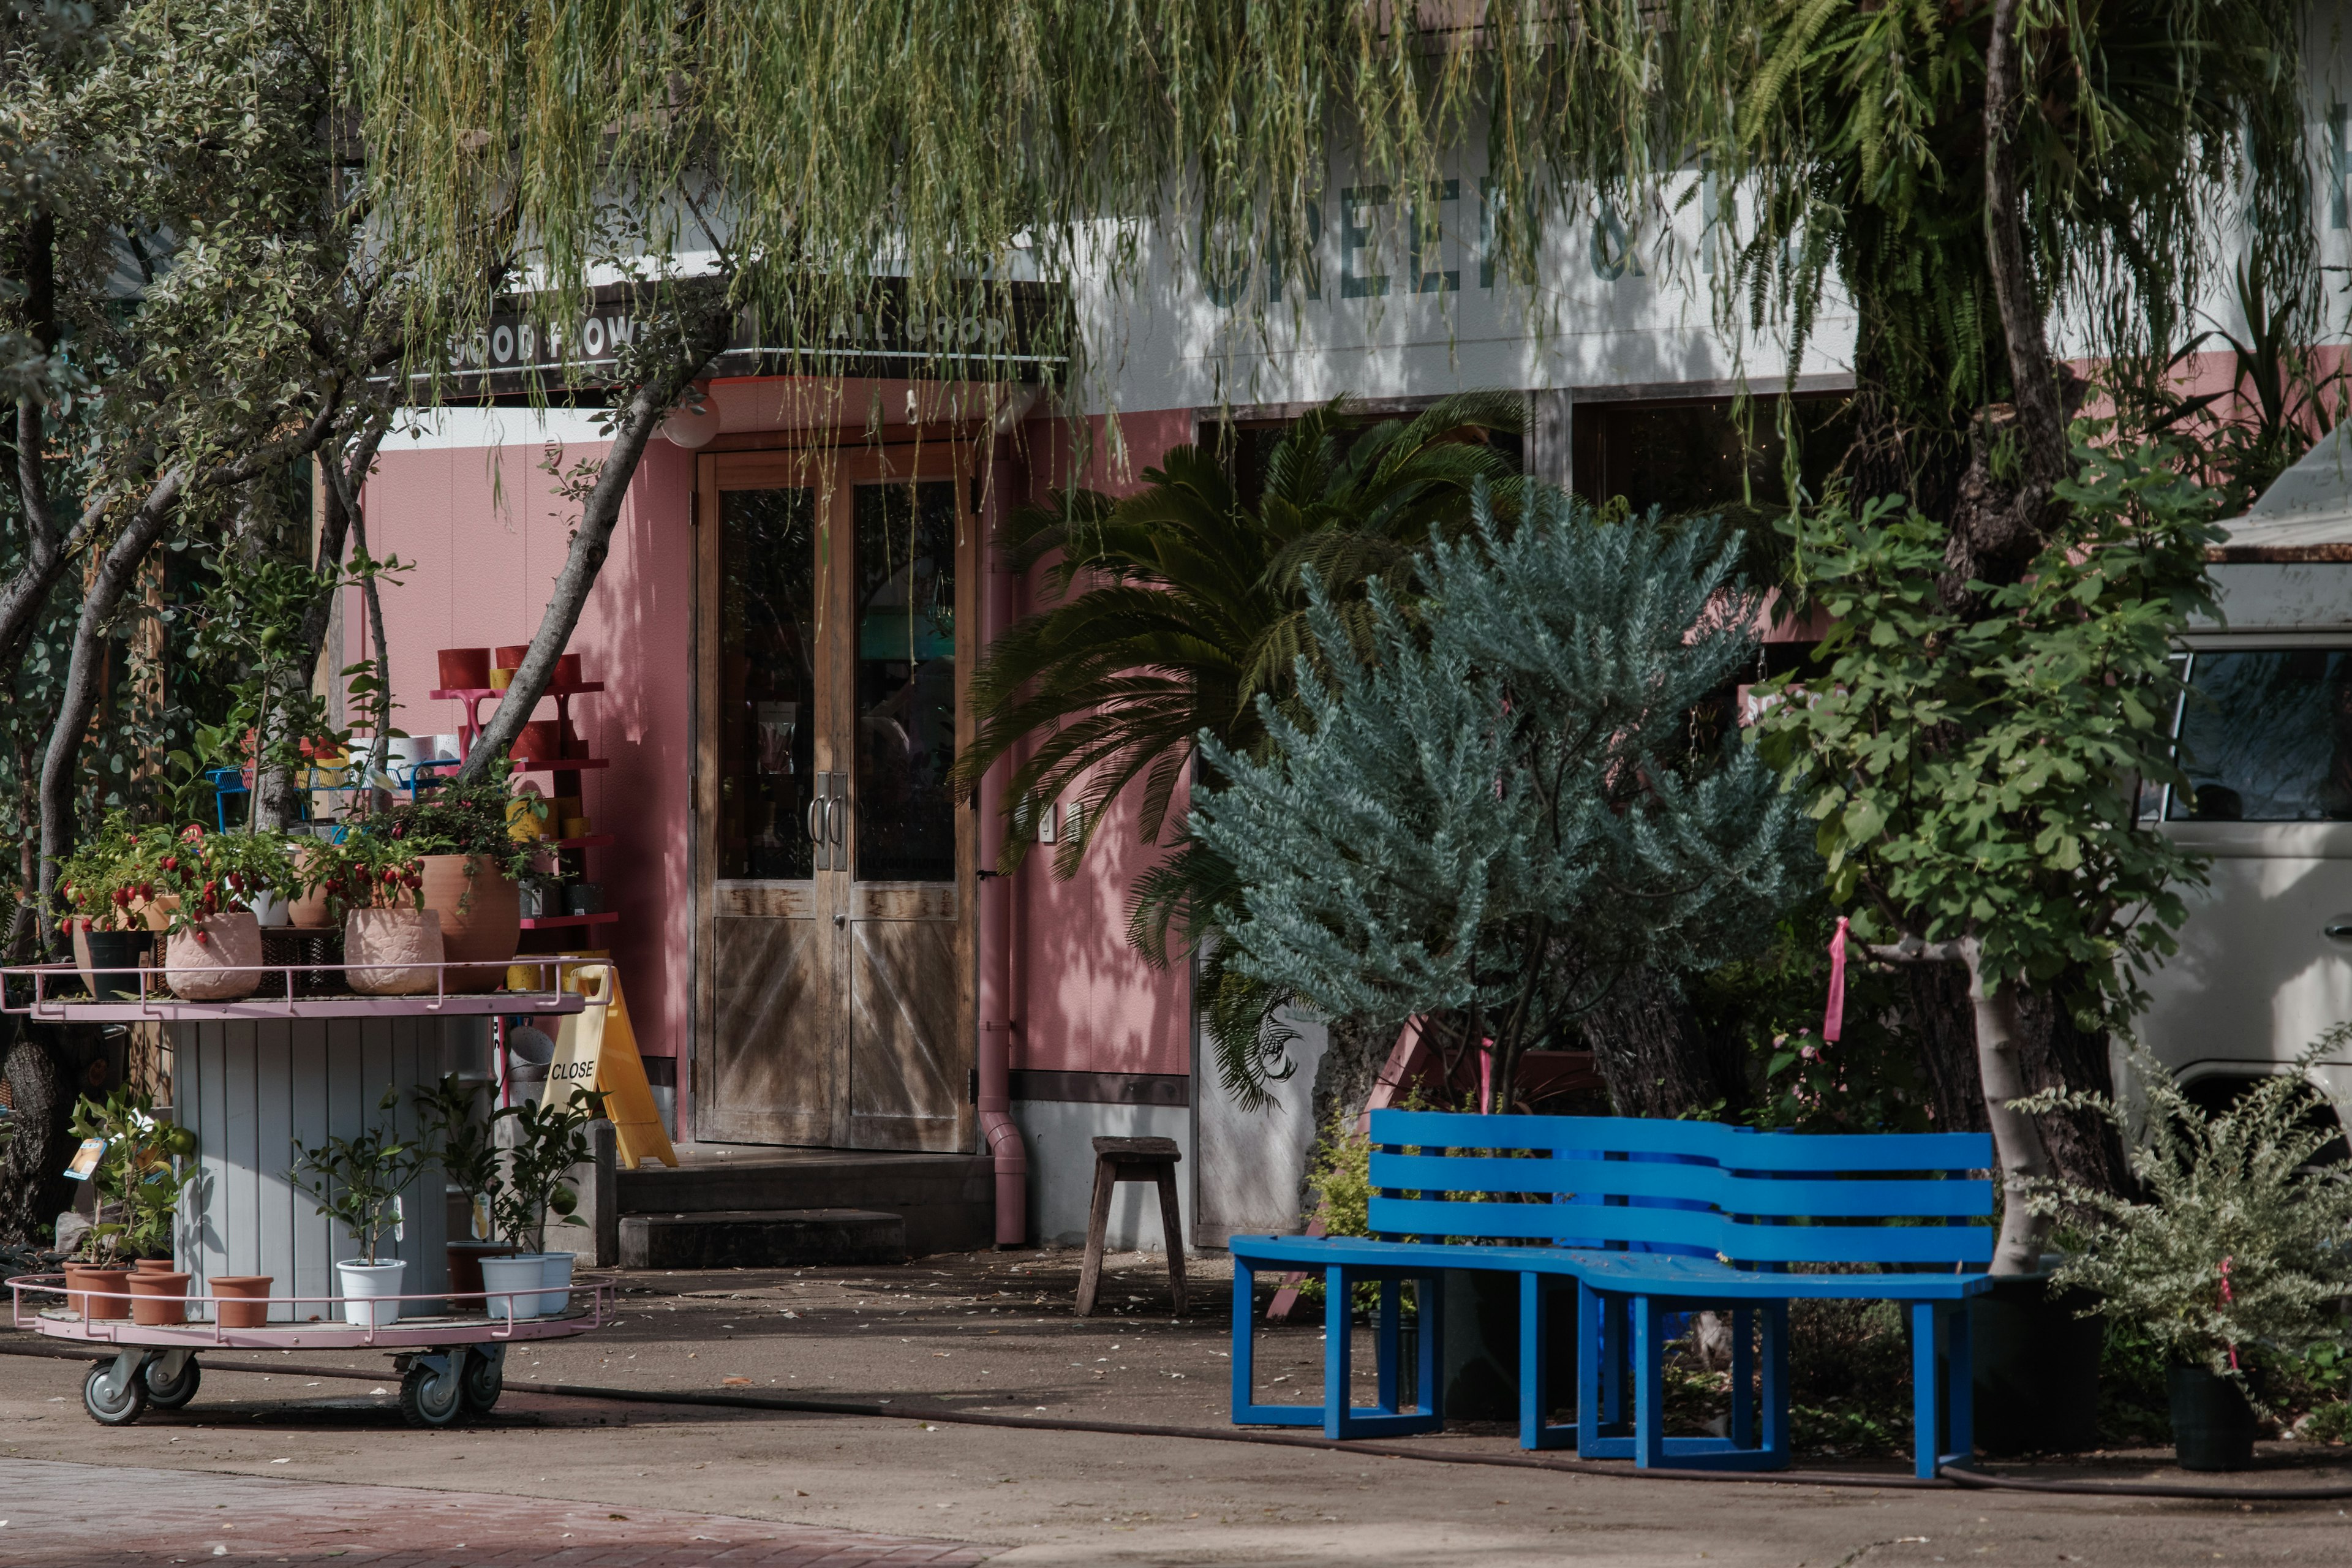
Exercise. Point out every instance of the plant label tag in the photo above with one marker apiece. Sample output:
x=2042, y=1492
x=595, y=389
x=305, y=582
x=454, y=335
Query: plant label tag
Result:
x=481, y=1219
x=86, y=1159
x=399, y=1226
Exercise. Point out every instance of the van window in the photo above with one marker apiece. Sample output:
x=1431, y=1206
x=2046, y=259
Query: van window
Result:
x=2267, y=737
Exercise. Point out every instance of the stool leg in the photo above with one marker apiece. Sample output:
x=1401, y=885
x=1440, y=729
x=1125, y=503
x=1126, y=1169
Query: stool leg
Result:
x=1171, y=1227
x=1098, y=1226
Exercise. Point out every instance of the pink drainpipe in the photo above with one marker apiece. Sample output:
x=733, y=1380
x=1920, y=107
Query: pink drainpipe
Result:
x=996, y=1123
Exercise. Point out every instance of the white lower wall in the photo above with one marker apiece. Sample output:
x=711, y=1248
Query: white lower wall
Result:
x=1061, y=1135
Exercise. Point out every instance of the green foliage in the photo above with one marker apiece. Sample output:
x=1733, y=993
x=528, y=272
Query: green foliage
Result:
x=147, y=1165
x=123, y=869
x=548, y=1142
x=469, y=818
x=370, y=870
x=1506, y=808
x=1976, y=777
x=461, y=1144
x=2238, y=1241
x=108, y=879
x=1340, y=1173
x=357, y=1181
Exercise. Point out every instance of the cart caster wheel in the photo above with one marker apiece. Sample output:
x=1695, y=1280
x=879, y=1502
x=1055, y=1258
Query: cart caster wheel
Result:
x=170, y=1393
x=111, y=1406
x=431, y=1396
x=483, y=1380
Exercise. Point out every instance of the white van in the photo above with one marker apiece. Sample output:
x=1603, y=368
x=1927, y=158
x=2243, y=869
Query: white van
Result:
x=2266, y=960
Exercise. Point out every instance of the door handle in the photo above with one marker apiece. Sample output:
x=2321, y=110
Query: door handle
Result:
x=816, y=819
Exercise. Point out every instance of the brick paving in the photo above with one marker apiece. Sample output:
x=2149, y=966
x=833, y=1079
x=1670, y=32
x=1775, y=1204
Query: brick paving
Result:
x=90, y=1516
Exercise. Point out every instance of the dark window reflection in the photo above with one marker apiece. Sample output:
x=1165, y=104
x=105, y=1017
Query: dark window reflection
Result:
x=767, y=678
x=905, y=681
x=2267, y=737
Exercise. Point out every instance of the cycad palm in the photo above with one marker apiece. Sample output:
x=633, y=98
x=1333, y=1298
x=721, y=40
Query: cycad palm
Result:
x=1176, y=606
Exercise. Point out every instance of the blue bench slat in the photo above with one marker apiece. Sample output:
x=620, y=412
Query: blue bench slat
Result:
x=1858, y=1152
x=1436, y=1218
x=1455, y=1130
x=1583, y=1177
x=1875, y=1197
x=1855, y=1243
x=1700, y=1279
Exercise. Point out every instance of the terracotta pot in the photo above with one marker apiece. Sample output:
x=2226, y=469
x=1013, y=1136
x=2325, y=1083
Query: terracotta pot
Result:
x=466, y=1266
x=159, y=1299
x=541, y=740
x=310, y=909
x=465, y=668
x=404, y=943
x=206, y=970
x=157, y=912
x=88, y=1277
x=510, y=656
x=151, y=1266
x=481, y=919
x=567, y=671
x=251, y=1313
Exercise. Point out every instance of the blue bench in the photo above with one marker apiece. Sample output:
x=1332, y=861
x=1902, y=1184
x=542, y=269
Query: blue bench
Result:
x=1642, y=1219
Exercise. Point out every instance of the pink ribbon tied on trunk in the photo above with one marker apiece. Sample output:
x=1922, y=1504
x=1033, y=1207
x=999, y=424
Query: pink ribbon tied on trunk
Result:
x=1833, y=1015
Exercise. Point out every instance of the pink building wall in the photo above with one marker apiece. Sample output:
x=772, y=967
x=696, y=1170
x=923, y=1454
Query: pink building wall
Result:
x=489, y=533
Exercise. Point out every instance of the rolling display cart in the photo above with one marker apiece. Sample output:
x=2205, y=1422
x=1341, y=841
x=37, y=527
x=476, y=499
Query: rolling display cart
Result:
x=298, y=1062
x=449, y=1365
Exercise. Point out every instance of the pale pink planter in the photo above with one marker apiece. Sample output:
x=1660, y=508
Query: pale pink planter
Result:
x=205, y=971
x=409, y=941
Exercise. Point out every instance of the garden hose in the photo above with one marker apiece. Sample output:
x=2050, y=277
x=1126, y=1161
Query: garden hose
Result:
x=1950, y=1478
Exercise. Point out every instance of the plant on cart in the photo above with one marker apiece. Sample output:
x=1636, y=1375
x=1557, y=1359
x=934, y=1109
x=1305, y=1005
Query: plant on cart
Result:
x=140, y=1177
x=370, y=870
x=357, y=1181
x=469, y=817
x=2234, y=1260
x=462, y=1143
x=110, y=878
x=217, y=873
x=548, y=1142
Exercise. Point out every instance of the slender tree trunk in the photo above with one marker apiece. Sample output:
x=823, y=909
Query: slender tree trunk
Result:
x=701, y=339
x=2085, y=1150
x=2017, y=1141
x=60, y=767
x=33, y=1191
x=1658, y=1061
x=1945, y=1019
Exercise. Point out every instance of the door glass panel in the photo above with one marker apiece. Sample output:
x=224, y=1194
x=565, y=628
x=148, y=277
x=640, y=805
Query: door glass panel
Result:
x=2267, y=737
x=767, y=681
x=905, y=616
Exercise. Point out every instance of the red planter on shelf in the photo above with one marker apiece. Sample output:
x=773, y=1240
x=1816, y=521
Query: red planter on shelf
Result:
x=465, y=668
x=511, y=656
x=541, y=740
x=567, y=671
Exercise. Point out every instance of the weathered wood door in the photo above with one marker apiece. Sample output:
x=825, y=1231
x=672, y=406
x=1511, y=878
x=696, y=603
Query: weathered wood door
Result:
x=833, y=866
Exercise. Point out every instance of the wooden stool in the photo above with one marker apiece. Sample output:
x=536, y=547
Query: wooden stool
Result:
x=1120, y=1159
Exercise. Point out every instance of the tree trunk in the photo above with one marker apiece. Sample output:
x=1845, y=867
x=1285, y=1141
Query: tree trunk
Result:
x=1344, y=1077
x=1648, y=1045
x=2017, y=1141
x=2084, y=1148
x=701, y=339
x=33, y=1188
x=1945, y=1019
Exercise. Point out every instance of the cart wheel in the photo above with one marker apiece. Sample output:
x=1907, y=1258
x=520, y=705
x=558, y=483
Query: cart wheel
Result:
x=170, y=1393
x=110, y=1406
x=484, y=1380
x=431, y=1396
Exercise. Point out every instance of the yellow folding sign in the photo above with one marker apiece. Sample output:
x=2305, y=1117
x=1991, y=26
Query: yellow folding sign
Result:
x=595, y=1048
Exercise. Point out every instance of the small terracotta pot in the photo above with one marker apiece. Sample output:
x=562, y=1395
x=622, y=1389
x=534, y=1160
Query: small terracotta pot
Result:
x=243, y=1314
x=151, y=1266
x=481, y=919
x=404, y=942
x=541, y=740
x=465, y=668
x=466, y=1266
x=510, y=656
x=159, y=1299
x=206, y=970
x=81, y=1276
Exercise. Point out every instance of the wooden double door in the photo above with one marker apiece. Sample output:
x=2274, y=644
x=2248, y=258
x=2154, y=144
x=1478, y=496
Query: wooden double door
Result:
x=836, y=613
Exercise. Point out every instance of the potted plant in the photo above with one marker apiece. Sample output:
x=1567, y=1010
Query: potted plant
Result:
x=109, y=881
x=2235, y=1256
x=212, y=949
x=391, y=940
x=472, y=865
x=357, y=1181
x=462, y=1144
x=547, y=1141
x=142, y=1167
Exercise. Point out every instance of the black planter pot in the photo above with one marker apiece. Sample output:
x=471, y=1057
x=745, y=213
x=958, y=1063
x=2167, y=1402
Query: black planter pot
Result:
x=2036, y=1368
x=1479, y=1359
x=2212, y=1425
x=115, y=958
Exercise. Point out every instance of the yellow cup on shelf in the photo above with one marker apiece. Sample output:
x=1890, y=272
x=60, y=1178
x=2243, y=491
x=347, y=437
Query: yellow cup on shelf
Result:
x=502, y=679
x=527, y=818
x=575, y=827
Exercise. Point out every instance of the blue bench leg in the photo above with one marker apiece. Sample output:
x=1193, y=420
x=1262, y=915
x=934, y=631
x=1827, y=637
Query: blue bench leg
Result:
x=1535, y=1366
x=1391, y=1345
x=1246, y=1410
x=1943, y=1396
x=1743, y=1376
x=1649, y=1383
x=1774, y=1395
x=1338, y=1354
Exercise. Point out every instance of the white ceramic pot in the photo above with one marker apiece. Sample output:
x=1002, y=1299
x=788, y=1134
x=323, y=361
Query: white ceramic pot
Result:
x=556, y=1300
x=270, y=910
x=404, y=944
x=510, y=1286
x=216, y=960
x=363, y=1285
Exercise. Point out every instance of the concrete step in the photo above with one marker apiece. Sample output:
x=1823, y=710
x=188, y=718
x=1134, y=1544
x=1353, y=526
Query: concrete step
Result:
x=947, y=1202
x=761, y=1238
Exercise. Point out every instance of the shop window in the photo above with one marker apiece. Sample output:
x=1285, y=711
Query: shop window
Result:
x=1690, y=455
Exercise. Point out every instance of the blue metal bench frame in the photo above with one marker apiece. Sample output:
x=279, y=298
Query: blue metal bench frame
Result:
x=1644, y=1220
